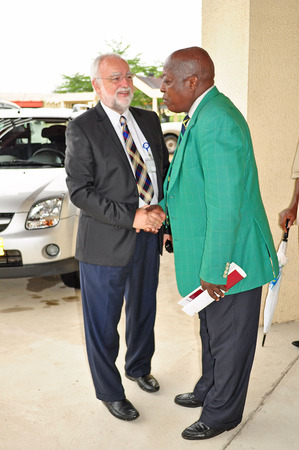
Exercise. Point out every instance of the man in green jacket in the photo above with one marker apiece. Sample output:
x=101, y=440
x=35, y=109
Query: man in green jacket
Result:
x=216, y=217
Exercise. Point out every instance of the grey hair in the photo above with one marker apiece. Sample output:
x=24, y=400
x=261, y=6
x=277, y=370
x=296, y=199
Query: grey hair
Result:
x=96, y=65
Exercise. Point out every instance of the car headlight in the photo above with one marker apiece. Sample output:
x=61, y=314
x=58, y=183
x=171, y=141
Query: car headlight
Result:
x=44, y=214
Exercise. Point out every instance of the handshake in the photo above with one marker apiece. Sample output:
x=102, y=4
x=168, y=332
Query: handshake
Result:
x=149, y=218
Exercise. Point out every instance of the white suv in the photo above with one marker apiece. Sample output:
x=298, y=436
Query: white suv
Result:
x=5, y=104
x=38, y=222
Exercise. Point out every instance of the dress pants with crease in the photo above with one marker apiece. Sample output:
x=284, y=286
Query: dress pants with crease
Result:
x=103, y=289
x=228, y=330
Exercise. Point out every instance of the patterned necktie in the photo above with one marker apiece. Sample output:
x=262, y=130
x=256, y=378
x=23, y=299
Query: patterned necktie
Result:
x=184, y=126
x=144, y=184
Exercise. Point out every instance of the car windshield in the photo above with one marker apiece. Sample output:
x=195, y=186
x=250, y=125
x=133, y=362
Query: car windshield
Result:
x=32, y=142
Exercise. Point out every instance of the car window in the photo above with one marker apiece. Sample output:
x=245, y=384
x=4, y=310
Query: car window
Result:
x=32, y=142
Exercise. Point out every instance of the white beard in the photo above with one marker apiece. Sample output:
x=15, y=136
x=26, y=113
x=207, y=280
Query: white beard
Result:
x=115, y=103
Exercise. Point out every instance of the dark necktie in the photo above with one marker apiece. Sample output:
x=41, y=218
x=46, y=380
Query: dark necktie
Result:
x=184, y=126
x=144, y=184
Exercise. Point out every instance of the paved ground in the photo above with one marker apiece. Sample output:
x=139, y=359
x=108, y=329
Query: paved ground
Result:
x=47, y=398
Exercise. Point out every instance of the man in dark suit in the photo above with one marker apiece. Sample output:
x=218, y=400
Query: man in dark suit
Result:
x=116, y=161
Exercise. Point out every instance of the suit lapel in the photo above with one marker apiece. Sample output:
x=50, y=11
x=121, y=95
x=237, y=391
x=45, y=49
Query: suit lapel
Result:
x=110, y=132
x=179, y=153
x=142, y=122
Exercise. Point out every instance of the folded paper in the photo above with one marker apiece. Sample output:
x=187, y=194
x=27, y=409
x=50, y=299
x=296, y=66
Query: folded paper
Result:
x=199, y=298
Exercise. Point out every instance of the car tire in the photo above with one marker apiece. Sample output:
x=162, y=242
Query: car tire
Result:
x=171, y=141
x=71, y=279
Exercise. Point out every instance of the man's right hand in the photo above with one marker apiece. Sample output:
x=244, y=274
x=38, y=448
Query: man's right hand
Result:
x=149, y=218
x=289, y=214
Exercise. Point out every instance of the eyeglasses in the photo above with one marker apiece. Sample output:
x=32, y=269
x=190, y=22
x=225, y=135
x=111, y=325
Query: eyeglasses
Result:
x=115, y=79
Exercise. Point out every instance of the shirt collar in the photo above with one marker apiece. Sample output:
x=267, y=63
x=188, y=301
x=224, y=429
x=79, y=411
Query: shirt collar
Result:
x=115, y=116
x=197, y=102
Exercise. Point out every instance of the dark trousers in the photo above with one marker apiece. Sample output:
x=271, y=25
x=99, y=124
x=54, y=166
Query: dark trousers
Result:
x=228, y=331
x=103, y=289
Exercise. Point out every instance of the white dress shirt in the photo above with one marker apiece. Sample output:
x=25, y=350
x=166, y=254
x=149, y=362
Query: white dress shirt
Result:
x=141, y=144
x=197, y=102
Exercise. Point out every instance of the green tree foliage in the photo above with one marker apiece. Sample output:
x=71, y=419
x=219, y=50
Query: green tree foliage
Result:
x=74, y=83
x=81, y=83
x=135, y=63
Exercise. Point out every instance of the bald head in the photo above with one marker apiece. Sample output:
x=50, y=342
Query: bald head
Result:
x=192, y=61
x=187, y=73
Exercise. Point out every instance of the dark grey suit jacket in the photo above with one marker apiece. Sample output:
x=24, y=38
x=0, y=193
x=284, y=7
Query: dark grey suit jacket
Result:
x=101, y=183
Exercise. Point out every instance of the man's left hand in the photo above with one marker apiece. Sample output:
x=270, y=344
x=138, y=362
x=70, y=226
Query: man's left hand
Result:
x=216, y=291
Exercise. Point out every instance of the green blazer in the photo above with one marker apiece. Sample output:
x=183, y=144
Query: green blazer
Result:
x=214, y=204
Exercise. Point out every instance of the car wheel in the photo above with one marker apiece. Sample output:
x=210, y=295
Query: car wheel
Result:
x=171, y=142
x=71, y=279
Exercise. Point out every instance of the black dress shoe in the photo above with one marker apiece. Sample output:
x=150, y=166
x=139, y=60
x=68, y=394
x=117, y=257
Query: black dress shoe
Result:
x=147, y=383
x=122, y=409
x=199, y=430
x=189, y=400
x=296, y=343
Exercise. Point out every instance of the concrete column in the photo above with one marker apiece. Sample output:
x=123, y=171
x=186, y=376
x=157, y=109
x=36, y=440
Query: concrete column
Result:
x=155, y=104
x=254, y=45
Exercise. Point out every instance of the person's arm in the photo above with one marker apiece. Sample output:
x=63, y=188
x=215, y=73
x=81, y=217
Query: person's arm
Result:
x=223, y=158
x=290, y=213
x=80, y=169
